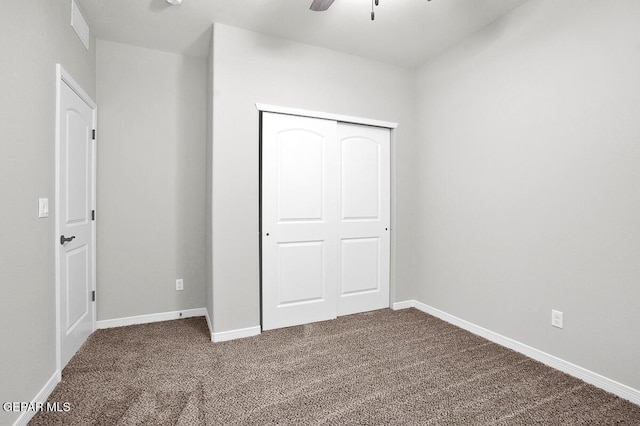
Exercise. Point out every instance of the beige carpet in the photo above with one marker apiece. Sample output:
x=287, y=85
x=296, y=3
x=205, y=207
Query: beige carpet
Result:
x=382, y=367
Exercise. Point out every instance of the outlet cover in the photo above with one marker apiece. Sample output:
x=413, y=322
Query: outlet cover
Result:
x=179, y=284
x=556, y=318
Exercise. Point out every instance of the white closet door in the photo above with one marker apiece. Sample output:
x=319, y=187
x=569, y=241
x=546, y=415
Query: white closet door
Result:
x=325, y=219
x=363, y=280
x=299, y=236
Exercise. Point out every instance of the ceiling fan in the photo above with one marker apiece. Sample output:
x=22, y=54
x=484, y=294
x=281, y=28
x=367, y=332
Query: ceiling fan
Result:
x=322, y=5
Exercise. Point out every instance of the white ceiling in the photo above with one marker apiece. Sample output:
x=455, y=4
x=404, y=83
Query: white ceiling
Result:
x=405, y=32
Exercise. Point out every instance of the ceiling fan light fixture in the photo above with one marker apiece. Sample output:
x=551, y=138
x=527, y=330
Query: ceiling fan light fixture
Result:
x=320, y=5
x=174, y=2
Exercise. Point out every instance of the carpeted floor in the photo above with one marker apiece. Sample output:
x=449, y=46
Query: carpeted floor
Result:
x=384, y=367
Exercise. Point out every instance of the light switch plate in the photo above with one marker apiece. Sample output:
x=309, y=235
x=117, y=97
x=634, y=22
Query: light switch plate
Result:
x=43, y=207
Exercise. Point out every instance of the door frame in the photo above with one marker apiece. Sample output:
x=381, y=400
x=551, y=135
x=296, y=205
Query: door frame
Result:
x=392, y=126
x=63, y=77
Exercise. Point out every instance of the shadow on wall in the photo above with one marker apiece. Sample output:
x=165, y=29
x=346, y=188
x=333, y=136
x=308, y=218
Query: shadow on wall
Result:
x=485, y=38
x=203, y=42
x=158, y=5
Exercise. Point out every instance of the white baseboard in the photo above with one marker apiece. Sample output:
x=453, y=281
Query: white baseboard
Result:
x=223, y=336
x=209, y=324
x=41, y=397
x=144, y=319
x=609, y=385
x=403, y=305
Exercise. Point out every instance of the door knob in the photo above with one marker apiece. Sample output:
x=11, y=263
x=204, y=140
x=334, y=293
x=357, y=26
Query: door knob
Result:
x=63, y=239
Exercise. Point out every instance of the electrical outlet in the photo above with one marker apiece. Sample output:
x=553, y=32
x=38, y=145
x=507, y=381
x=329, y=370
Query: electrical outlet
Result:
x=179, y=284
x=556, y=318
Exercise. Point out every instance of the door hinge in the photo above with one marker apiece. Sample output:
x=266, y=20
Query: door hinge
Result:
x=93, y=296
x=93, y=215
x=93, y=134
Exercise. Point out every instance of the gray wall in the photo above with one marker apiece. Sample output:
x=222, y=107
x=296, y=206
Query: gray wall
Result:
x=529, y=174
x=152, y=122
x=250, y=68
x=34, y=36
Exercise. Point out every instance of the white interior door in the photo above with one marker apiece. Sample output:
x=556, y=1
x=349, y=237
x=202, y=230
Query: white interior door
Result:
x=363, y=281
x=299, y=243
x=75, y=201
x=325, y=219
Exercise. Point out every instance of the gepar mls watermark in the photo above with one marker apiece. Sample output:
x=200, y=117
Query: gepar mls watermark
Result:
x=36, y=406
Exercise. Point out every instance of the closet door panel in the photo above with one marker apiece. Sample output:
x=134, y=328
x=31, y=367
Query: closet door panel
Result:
x=360, y=183
x=360, y=265
x=299, y=244
x=300, y=176
x=363, y=226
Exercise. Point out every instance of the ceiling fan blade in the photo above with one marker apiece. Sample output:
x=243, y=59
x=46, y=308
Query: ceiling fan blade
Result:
x=320, y=5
